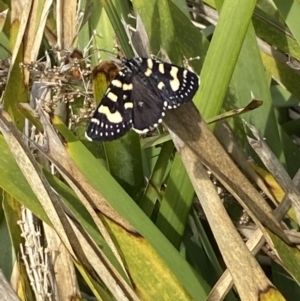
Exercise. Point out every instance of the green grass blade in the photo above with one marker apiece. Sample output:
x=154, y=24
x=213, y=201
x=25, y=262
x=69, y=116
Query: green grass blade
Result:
x=290, y=11
x=222, y=55
x=176, y=203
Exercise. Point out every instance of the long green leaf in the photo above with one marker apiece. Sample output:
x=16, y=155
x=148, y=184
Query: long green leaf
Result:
x=222, y=56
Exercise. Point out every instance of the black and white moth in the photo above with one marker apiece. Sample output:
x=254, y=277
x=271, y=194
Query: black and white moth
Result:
x=138, y=97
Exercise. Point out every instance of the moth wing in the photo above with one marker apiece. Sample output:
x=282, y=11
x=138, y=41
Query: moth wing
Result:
x=148, y=105
x=177, y=85
x=113, y=116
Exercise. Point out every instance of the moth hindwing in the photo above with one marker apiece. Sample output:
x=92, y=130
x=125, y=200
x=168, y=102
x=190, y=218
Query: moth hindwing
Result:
x=138, y=97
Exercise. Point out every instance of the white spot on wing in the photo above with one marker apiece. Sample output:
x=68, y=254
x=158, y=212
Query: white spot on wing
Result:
x=112, y=117
x=128, y=105
x=174, y=83
x=113, y=97
x=87, y=137
x=148, y=72
x=117, y=83
x=150, y=63
x=141, y=131
x=160, y=85
x=95, y=120
x=127, y=87
x=161, y=68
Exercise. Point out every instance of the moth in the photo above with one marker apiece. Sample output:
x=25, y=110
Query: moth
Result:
x=138, y=97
